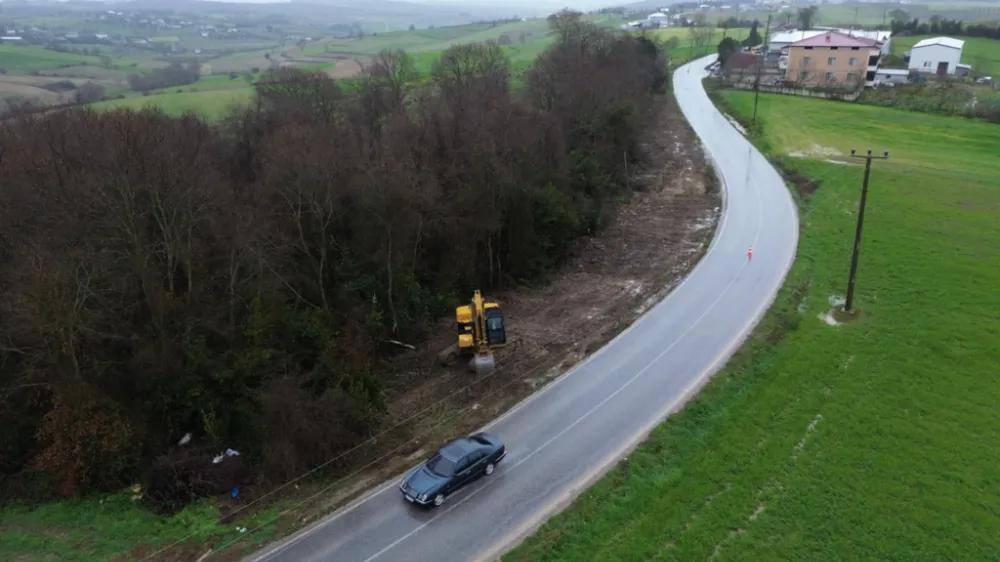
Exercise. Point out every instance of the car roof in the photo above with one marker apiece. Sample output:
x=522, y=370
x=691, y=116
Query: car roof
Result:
x=459, y=448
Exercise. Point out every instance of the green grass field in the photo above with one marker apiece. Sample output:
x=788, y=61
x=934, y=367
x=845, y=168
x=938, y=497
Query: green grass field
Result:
x=22, y=59
x=861, y=441
x=108, y=528
x=209, y=104
x=983, y=54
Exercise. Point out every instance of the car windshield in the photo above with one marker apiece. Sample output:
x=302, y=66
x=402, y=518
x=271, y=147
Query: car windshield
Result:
x=440, y=465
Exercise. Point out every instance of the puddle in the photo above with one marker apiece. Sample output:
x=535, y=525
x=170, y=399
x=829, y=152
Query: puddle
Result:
x=836, y=305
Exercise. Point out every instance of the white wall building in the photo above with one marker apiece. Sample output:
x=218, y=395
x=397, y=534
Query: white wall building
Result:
x=938, y=55
x=890, y=76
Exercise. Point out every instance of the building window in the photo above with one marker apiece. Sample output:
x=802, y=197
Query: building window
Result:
x=829, y=77
x=927, y=64
x=806, y=61
x=831, y=61
x=803, y=75
x=852, y=77
x=854, y=61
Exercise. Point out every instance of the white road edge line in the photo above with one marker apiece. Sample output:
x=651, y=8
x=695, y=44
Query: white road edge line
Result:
x=704, y=375
x=392, y=482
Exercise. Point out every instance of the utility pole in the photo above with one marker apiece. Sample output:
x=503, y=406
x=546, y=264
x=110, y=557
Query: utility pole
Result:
x=861, y=221
x=760, y=66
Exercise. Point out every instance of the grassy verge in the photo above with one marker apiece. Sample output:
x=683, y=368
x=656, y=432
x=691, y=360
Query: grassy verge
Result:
x=866, y=440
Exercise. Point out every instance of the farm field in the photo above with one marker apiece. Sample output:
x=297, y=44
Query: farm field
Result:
x=981, y=53
x=873, y=14
x=866, y=440
x=21, y=59
x=431, y=39
x=209, y=104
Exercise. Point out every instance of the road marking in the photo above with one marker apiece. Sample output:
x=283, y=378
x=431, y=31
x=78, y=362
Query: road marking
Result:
x=697, y=382
x=392, y=482
x=608, y=462
x=701, y=377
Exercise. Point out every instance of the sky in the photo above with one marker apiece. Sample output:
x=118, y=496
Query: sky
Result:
x=553, y=5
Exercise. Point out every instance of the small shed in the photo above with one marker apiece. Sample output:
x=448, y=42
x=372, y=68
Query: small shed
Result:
x=892, y=76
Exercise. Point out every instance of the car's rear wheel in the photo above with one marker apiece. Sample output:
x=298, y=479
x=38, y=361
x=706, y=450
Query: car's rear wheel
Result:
x=489, y=469
x=439, y=499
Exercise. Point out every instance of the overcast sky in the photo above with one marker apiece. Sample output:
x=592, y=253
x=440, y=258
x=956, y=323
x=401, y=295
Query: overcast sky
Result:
x=527, y=5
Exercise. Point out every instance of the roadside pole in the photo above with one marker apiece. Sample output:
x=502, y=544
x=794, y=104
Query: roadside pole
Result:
x=849, y=302
x=760, y=66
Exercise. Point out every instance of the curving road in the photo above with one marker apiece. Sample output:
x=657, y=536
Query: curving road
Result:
x=562, y=439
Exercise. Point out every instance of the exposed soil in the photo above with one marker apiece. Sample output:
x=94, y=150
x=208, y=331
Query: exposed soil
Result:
x=609, y=281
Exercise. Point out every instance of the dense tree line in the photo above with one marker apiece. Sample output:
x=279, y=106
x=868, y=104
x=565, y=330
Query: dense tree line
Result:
x=902, y=24
x=175, y=74
x=160, y=276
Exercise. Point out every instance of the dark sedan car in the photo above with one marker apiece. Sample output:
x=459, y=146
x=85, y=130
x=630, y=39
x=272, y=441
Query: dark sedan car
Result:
x=453, y=466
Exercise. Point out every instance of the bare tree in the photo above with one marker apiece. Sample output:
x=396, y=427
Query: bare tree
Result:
x=701, y=33
x=807, y=16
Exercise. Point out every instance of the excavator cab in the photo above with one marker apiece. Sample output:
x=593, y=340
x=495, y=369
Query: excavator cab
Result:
x=480, y=331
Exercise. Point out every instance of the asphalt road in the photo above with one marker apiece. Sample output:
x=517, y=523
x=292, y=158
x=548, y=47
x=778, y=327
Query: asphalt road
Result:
x=562, y=439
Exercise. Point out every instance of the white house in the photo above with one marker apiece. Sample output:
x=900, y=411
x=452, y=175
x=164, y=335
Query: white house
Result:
x=939, y=55
x=658, y=18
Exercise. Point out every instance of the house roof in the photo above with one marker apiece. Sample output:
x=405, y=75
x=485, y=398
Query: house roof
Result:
x=793, y=36
x=942, y=41
x=834, y=39
x=880, y=36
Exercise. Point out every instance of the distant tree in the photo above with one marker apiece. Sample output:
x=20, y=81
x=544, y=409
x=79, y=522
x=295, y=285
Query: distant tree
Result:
x=726, y=48
x=899, y=15
x=89, y=92
x=522, y=38
x=412, y=27
x=807, y=16
x=701, y=33
x=754, y=38
x=565, y=23
x=105, y=61
x=504, y=39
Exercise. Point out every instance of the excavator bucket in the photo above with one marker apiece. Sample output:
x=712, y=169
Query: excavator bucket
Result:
x=482, y=363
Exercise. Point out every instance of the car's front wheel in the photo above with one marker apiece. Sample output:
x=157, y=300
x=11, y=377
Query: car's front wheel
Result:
x=438, y=499
x=489, y=469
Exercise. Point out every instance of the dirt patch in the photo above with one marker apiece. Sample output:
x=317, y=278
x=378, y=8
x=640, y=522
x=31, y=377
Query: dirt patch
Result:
x=610, y=279
x=816, y=151
x=805, y=186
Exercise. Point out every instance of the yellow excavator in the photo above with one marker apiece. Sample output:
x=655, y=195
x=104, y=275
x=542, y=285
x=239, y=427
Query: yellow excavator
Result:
x=480, y=331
